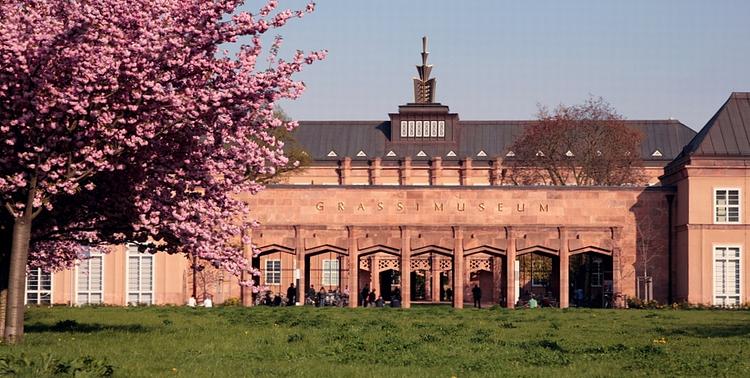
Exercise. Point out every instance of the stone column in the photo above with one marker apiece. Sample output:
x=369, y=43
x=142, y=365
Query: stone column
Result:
x=375, y=171
x=405, y=171
x=458, y=267
x=564, y=269
x=375, y=276
x=299, y=250
x=353, y=268
x=436, y=171
x=618, y=298
x=405, y=267
x=435, y=270
x=346, y=171
x=510, y=270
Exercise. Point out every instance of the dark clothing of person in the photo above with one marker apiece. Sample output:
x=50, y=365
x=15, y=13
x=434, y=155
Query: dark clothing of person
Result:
x=277, y=300
x=396, y=296
x=291, y=295
x=363, y=296
x=321, y=298
x=449, y=294
x=311, y=293
x=476, y=292
x=371, y=297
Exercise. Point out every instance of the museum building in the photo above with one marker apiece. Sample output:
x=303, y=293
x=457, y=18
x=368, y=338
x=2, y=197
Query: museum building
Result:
x=420, y=205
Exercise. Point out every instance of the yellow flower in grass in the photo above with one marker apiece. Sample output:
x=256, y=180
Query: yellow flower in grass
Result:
x=660, y=341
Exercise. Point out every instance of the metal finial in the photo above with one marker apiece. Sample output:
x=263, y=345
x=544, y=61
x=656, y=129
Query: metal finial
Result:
x=424, y=87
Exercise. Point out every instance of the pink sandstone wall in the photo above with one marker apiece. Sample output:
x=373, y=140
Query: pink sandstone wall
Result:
x=543, y=217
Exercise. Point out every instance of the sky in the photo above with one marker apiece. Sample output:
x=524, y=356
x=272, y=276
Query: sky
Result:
x=651, y=59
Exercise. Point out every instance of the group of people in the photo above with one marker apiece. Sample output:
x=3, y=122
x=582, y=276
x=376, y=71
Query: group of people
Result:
x=207, y=302
x=369, y=297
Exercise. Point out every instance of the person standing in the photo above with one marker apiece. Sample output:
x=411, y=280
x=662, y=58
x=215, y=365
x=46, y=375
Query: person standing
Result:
x=322, y=296
x=311, y=294
x=363, y=296
x=476, y=292
x=371, y=298
x=291, y=294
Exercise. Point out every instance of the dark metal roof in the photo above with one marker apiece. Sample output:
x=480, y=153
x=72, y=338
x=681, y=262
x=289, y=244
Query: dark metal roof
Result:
x=493, y=138
x=727, y=133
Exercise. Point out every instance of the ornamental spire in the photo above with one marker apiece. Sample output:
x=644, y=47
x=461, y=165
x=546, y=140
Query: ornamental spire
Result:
x=424, y=87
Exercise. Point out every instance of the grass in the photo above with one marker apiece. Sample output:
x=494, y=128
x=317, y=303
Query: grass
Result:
x=421, y=342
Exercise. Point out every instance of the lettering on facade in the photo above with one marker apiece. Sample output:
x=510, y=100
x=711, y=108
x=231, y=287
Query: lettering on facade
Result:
x=437, y=206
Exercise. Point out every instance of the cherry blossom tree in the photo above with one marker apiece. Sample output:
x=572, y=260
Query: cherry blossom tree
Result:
x=124, y=121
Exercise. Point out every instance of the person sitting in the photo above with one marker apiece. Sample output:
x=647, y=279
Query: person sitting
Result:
x=311, y=293
x=267, y=300
x=208, y=303
x=449, y=294
x=277, y=300
x=321, y=297
x=379, y=302
x=192, y=302
x=533, y=303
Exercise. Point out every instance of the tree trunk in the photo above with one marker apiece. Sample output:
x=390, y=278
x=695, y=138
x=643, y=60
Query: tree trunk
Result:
x=4, y=270
x=19, y=256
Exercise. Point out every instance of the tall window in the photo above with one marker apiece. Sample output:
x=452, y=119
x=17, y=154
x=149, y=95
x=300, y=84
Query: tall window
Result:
x=596, y=272
x=726, y=276
x=38, y=287
x=330, y=272
x=140, y=276
x=273, y=272
x=90, y=284
x=726, y=206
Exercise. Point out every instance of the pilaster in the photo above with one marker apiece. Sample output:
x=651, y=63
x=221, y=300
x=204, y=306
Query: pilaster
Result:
x=458, y=267
x=510, y=269
x=353, y=267
x=375, y=171
x=564, y=269
x=299, y=250
x=405, y=267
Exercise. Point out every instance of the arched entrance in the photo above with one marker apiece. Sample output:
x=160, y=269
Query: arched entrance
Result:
x=538, y=277
x=431, y=277
x=590, y=279
x=379, y=270
x=485, y=268
x=325, y=269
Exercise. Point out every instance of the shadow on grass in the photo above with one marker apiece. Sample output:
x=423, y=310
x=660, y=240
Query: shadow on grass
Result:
x=74, y=326
x=714, y=330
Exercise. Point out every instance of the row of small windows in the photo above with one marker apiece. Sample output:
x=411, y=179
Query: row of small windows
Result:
x=90, y=281
x=362, y=153
x=330, y=273
x=422, y=129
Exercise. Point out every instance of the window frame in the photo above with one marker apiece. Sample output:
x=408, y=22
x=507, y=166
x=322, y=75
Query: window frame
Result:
x=267, y=271
x=740, y=276
x=38, y=292
x=88, y=292
x=133, y=248
x=727, y=206
x=329, y=273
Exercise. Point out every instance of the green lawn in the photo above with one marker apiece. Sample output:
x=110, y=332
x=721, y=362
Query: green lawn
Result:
x=426, y=341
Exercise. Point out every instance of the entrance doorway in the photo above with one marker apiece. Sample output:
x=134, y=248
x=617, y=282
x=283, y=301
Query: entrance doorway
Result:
x=538, y=273
x=390, y=284
x=591, y=280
